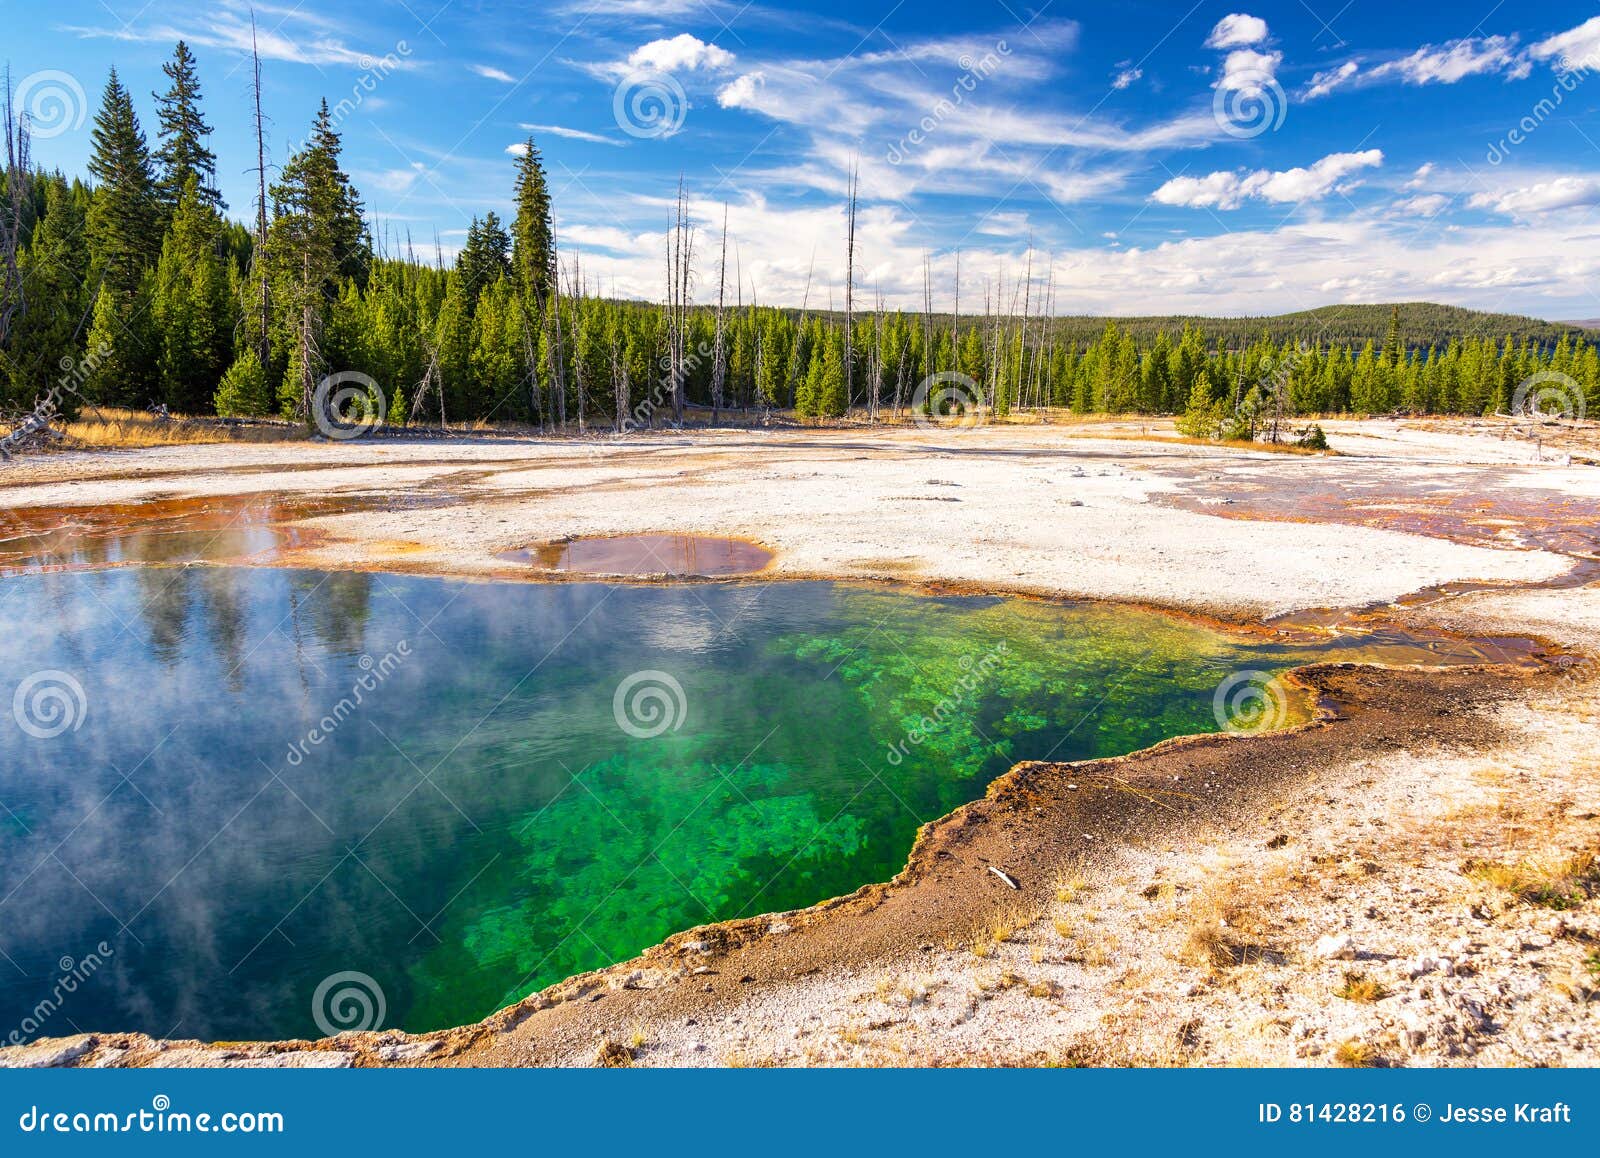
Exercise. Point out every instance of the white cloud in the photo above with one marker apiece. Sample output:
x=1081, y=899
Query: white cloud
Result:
x=1248, y=70
x=1576, y=48
x=1447, y=63
x=1230, y=190
x=1454, y=61
x=742, y=92
x=491, y=73
x=1247, y=272
x=1126, y=77
x=1423, y=205
x=1221, y=190
x=1325, y=82
x=1542, y=197
x=1419, y=179
x=574, y=134
x=1236, y=29
x=679, y=52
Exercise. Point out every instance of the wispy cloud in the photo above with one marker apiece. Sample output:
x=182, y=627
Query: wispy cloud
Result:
x=570, y=134
x=1447, y=63
x=490, y=72
x=294, y=36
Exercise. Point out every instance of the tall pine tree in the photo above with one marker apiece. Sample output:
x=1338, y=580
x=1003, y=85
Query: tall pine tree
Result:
x=124, y=217
x=183, y=132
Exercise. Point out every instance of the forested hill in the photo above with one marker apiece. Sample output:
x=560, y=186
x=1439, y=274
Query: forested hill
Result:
x=1422, y=324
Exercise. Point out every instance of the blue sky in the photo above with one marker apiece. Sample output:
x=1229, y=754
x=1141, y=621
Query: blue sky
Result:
x=1160, y=157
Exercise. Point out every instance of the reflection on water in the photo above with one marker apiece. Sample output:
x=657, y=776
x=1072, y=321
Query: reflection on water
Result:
x=468, y=791
x=255, y=528
x=623, y=555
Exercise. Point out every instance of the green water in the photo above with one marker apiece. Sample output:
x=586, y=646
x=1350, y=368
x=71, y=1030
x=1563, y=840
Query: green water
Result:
x=490, y=817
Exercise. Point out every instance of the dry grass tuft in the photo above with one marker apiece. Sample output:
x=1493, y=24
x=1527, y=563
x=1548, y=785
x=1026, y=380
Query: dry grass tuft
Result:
x=1068, y=889
x=110, y=427
x=1553, y=881
x=1362, y=989
x=1356, y=1054
x=612, y=1055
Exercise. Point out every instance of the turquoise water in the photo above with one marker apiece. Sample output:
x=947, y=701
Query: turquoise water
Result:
x=224, y=793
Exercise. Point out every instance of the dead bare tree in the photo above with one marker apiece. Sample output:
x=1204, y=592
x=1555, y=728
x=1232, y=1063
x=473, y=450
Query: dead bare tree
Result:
x=432, y=383
x=558, y=357
x=12, y=301
x=575, y=295
x=849, y=286
x=719, y=361
x=619, y=382
x=258, y=254
x=680, y=260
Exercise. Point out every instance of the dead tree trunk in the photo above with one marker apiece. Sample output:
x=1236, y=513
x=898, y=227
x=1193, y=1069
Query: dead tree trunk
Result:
x=719, y=362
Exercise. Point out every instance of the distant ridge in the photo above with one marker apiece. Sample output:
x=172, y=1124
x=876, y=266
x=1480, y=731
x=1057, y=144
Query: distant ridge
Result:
x=1422, y=324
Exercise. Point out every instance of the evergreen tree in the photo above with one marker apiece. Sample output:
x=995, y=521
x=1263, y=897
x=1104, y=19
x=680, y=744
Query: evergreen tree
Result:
x=532, y=234
x=124, y=225
x=243, y=392
x=484, y=259
x=45, y=341
x=191, y=307
x=1391, y=342
x=183, y=132
x=833, y=395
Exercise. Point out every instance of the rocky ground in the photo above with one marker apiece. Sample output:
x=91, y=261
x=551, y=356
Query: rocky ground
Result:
x=1413, y=880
